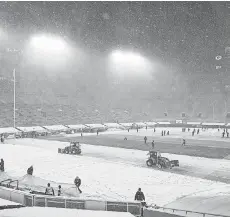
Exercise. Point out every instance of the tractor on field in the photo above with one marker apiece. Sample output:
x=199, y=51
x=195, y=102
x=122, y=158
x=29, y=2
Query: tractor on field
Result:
x=155, y=159
x=74, y=148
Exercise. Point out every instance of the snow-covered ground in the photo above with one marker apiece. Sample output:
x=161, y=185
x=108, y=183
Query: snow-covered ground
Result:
x=211, y=134
x=214, y=201
x=6, y=203
x=53, y=212
x=107, y=173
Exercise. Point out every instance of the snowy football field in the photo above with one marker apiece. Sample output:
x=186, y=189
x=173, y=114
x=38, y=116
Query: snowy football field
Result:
x=114, y=173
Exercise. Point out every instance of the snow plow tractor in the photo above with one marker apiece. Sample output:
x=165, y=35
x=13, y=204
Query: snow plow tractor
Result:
x=74, y=148
x=156, y=160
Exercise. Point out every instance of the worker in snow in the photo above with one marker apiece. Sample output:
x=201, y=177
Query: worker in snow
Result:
x=145, y=139
x=49, y=190
x=2, y=166
x=59, y=190
x=77, y=182
x=2, y=138
x=30, y=170
x=139, y=196
x=183, y=142
x=153, y=144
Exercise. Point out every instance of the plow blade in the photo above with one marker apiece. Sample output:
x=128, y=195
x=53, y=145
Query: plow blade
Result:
x=174, y=163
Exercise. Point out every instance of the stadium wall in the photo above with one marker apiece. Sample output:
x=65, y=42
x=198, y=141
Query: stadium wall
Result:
x=151, y=213
x=27, y=199
x=26, y=131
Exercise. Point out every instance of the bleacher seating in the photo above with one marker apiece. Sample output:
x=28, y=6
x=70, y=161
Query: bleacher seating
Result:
x=109, y=105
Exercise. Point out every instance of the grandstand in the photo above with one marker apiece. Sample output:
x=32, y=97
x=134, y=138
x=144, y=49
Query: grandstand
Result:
x=77, y=94
x=32, y=108
x=70, y=91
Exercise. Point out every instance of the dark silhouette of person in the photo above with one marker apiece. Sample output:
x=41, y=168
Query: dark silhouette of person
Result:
x=30, y=170
x=2, y=165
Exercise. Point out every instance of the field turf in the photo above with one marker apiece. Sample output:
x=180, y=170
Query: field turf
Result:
x=198, y=148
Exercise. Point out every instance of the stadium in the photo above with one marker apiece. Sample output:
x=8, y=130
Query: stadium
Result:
x=124, y=95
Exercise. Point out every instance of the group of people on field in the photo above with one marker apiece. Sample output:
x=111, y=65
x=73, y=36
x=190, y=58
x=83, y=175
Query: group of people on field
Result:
x=49, y=189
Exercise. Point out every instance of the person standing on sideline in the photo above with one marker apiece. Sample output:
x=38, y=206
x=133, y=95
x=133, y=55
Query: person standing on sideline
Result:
x=49, y=190
x=59, y=190
x=2, y=165
x=2, y=138
x=139, y=196
x=30, y=170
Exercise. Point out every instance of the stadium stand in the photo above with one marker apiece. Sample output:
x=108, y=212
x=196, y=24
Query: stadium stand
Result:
x=32, y=108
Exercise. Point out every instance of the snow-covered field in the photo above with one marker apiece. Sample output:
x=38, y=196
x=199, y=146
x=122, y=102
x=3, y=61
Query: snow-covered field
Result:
x=211, y=134
x=108, y=173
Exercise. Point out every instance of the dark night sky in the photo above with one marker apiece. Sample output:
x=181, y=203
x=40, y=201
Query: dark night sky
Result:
x=190, y=32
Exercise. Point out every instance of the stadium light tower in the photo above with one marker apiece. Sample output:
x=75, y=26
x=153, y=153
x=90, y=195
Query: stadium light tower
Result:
x=129, y=64
x=17, y=53
x=43, y=47
x=47, y=44
x=49, y=51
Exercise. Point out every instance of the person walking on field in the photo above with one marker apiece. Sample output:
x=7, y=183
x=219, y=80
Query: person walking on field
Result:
x=183, y=142
x=153, y=144
x=77, y=182
x=145, y=139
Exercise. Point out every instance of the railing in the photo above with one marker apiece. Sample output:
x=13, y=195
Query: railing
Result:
x=10, y=181
x=193, y=212
x=6, y=180
x=30, y=200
